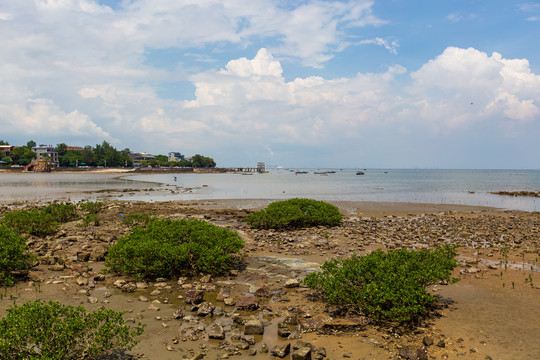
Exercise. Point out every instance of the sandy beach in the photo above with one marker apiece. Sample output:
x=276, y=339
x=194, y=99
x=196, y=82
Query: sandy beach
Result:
x=492, y=312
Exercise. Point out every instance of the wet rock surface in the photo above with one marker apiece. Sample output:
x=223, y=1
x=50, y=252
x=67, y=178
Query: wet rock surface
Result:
x=261, y=310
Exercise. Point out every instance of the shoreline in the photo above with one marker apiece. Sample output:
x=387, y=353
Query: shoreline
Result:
x=473, y=315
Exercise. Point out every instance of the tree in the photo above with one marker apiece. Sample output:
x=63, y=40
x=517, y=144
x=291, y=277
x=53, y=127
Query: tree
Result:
x=22, y=155
x=30, y=144
x=202, y=161
x=7, y=160
x=61, y=149
x=2, y=142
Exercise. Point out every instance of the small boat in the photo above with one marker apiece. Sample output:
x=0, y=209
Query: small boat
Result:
x=360, y=173
x=301, y=172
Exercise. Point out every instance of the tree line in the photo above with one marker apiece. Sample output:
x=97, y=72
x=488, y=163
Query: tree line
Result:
x=100, y=155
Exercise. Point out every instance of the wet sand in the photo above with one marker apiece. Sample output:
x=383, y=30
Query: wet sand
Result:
x=492, y=312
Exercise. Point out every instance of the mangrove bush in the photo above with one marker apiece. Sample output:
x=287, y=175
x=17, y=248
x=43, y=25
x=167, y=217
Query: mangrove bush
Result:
x=168, y=248
x=295, y=213
x=14, y=255
x=385, y=286
x=52, y=331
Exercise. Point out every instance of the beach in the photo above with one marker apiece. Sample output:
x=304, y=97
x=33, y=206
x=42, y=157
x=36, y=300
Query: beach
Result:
x=492, y=311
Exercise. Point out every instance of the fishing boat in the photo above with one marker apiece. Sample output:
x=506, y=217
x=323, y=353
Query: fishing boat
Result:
x=360, y=173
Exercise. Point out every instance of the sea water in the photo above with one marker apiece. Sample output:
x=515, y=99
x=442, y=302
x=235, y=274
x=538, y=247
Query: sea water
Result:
x=462, y=187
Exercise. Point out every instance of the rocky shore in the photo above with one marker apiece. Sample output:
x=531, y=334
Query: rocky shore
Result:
x=263, y=311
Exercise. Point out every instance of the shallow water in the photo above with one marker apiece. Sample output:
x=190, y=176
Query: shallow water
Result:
x=461, y=187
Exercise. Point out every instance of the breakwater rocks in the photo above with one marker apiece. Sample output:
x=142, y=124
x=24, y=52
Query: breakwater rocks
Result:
x=263, y=310
x=517, y=193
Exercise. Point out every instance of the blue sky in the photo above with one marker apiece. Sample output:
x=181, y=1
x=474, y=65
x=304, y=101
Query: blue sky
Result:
x=395, y=83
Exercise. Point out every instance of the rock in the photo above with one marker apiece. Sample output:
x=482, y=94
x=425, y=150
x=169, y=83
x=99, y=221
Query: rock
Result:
x=141, y=285
x=194, y=297
x=248, y=303
x=412, y=352
x=153, y=307
x=295, y=335
x=303, y=353
x=178, y=313
x=229, y=302
x=205, y=309
x=223, y=294
x=129, y=287
x=427, y=341
x=98, y=253
x=143, y=298
x=92, y=300
x=264, y=348
x=216, y=332
x=292, y=283
x=283, y=330
x=119, y=283
x=81, y=281
x=252, y=352
x=441, y=343
x=57, y=267
x=254, y=327
x=155, y=293
x=206, y=279
x=281, y=351
x=263, y=291
x=249, y=339
x=310, y=325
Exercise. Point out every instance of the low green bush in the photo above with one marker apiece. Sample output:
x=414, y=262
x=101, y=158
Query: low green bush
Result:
x=91, y=207
x=40, y=222
x=31, y=222
x=385, y=286
x=295, y=213
x=14, y=255
x=168, y=248
x=138, y=219
x=53, y=331
x=61, y=212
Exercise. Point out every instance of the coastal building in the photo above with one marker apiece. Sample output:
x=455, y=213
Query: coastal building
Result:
x=137, y=158
x=5, y=150
x=175, y=156
x=46, y=152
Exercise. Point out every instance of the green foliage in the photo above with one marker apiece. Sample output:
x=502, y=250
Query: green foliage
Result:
x=295, y=213
x=138, y=219
x=6, y=159
x=40, y=222
x=385, y=286
x=22, y=155
x=14, y=255
x=61, y=212
x=91, y=207
x=32, y=222
x=168, y=248
x=53, y=331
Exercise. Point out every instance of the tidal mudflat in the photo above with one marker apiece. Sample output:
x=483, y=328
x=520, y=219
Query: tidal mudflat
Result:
x=492, y=312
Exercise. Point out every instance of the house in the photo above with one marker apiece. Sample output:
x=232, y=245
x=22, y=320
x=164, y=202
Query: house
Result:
x=138, y=157
x=175, y=156
x=46, y=152
x=5, y=150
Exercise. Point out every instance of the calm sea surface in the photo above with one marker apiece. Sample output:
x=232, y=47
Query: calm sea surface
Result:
x=466, y=187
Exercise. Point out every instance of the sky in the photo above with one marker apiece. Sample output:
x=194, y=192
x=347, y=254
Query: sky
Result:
x=321, y=84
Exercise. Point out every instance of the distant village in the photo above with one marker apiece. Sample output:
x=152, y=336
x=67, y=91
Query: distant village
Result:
x=33, y=157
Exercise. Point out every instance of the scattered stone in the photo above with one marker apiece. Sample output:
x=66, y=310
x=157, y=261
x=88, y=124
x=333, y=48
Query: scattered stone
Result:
x=441, y=343
x=216, y=332
x=281, y=351
x=427, y=341
x=205, y=309
x=248, y=303
x=283, y=330
x=92, y=300
x=229, y=302
x=263, y=291
x=155, y=293
x=292, y=283
x=178, y=313
x=143, y=298
x=411, y=352
x=194, y=296
x=303, y=353
x=254, y=327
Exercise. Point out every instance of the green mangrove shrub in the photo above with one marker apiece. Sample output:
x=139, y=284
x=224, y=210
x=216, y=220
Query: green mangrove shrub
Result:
x=52, y=331
x=40, y=222
x=14, y=255
x=31, y=222
x=169, y=248
x=295, y=213
x=385, y=286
